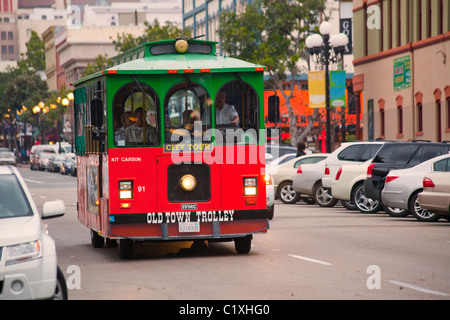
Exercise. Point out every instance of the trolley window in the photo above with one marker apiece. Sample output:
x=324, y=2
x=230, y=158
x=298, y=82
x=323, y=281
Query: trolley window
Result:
x=186, y=112
x=136, y=120
x=236, y=113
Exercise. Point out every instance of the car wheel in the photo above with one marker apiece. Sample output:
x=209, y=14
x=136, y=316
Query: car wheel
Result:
x=243, y=245
x=287, y=194
x=363, y=203
x=396, y=212
x=349, y=205
x=61, y=286
x=323, y=197
x=420, y=213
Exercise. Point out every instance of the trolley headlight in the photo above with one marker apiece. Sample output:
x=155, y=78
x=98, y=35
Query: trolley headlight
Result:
x=188, y=182
x=125, y=190
x=250, y=188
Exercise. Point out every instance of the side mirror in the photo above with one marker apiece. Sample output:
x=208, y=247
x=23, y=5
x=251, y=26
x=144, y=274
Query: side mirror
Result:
x=53, y=209
x=274, y=109
x=97, y=113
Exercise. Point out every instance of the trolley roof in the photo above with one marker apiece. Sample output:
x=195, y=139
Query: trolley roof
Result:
x=166, y=57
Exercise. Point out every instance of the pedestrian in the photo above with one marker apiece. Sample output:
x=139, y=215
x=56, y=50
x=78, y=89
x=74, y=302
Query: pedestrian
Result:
x=301, y=149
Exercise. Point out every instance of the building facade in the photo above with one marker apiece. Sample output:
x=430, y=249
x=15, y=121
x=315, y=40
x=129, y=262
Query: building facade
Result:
x=402, y=68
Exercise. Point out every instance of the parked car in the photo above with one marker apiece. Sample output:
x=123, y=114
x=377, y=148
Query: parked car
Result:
x=435, y=196
x=398, y=155
x=308, y=182
x=74, y=168
x=67, y=164
x=35, y=152
x=28, y=263
x=43, y=160
x=54, y=162
x=311, y=179
x=8, y=158
x=348, y=186
x=348, y=153
x=283, y=174
x=403, y=186
x=270, y=196
x=276, y=151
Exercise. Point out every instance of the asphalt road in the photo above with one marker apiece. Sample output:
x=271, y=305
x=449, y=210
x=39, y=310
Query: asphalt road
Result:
x=309, y=253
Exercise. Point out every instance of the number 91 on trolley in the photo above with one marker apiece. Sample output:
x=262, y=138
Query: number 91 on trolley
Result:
x=170, y=147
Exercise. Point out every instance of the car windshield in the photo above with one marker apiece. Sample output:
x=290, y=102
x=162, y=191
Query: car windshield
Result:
x=13, y=202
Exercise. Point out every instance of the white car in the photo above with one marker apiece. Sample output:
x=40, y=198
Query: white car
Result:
x=284, y=173
x=348, y=153
x=28, y=264
x=348, y=186
x=402, y=187
x=308, y=181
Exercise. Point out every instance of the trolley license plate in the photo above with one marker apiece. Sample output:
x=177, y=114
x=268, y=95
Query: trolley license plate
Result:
x=189, y=227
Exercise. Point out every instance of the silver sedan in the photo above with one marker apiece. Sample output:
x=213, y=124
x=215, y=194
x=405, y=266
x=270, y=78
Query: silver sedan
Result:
x=402, y=187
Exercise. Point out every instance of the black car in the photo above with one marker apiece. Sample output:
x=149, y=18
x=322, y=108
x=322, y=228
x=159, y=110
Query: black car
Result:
x=398, y=155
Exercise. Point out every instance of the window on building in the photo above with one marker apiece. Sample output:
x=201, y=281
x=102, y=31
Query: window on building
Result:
x=419, y=117
x=382, y=123
x=400, y=120
x=438, y=121
x=10, y=36
x=429, y=18
x=448, y=112
x=11, y=49
x=419, y=20
x=3, y=35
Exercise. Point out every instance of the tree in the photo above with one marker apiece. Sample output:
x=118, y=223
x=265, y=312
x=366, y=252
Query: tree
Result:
x=273, y=33
x=34, y=58
x=153, y=32
x=101, y=63
x=127, y=41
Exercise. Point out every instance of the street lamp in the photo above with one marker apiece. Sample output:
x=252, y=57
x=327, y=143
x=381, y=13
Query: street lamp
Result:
x=68, y=101
x=325, y=49
x=41, y=107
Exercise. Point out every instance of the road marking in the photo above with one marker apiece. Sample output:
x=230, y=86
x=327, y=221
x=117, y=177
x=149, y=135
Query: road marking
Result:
x=34, y=181
x=414, y=287
x=310, y=260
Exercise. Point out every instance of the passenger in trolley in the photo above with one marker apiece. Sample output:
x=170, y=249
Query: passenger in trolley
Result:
x=137, y=133
x=225, y=113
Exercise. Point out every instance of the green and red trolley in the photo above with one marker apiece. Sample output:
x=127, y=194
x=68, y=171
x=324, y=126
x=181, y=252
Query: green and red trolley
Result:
x=159, y=160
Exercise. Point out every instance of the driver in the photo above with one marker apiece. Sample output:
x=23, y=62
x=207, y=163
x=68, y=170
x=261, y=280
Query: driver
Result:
x=225, y=113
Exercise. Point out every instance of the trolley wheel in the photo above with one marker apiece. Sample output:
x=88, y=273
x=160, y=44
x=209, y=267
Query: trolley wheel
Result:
x=126, y=248
x=111, y=243
x=243, y=245
x=97, y=241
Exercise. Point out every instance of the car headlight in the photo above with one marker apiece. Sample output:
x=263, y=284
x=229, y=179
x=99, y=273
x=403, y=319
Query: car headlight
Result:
x=268, y=178
x=250, y=188
x=23, y=252
x=125, y=190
